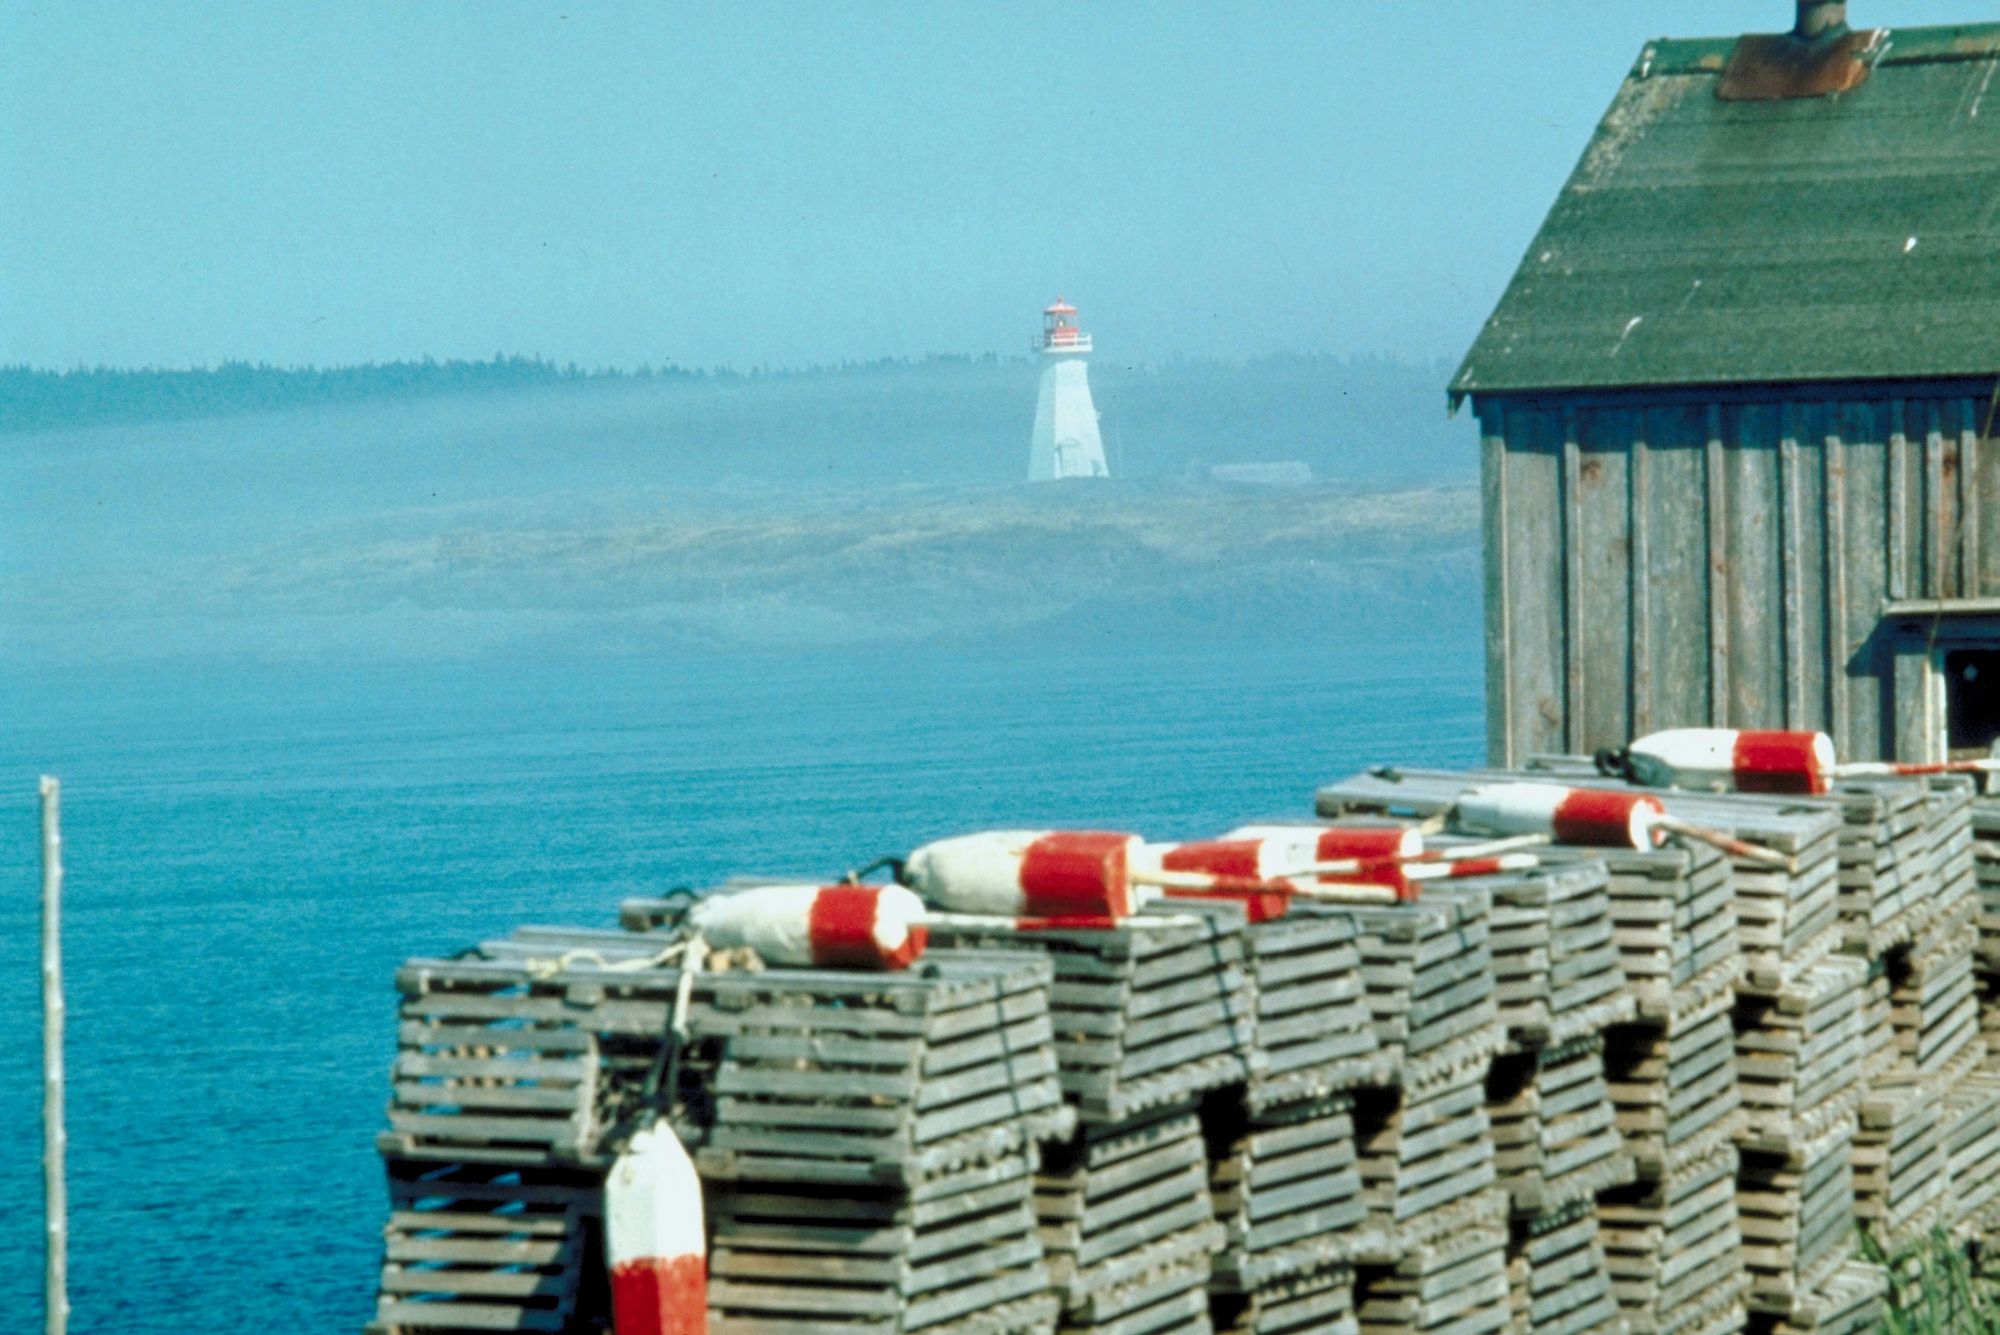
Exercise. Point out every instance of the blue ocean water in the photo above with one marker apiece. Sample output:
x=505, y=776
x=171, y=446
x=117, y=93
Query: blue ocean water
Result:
x=251, y=851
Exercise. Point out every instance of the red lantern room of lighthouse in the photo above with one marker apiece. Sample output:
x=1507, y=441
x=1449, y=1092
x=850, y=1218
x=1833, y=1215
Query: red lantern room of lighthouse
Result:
x=1059, y=331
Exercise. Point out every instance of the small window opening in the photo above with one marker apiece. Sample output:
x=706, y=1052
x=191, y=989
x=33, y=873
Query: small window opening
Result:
x=1972, y=701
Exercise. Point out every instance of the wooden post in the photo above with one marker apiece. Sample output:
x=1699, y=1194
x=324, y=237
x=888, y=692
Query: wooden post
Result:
x=56, y=1272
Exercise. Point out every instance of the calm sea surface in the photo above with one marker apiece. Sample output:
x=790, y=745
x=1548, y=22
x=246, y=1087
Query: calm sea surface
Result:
x=252, y=851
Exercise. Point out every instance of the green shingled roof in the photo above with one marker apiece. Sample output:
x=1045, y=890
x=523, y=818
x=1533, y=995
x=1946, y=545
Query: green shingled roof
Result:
x=1704, y=242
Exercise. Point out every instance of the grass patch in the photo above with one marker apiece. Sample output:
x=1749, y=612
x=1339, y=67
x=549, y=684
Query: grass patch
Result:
x=1937, y=1285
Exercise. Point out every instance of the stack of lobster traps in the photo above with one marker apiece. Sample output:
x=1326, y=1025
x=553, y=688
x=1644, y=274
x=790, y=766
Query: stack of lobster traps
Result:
x=1901, y=1166
x=1426, y=1144
x=494, y=1151
x=1558, y=972
x=1284, y=1171
x=1149, y=1020
x=1931, y=976
x=871, y=1142
x=1428, y=968
x=1319, y=1302
x=1621, y=1145
x=1797, y=1211
x=1558, y=1149
x=1798, y=1056
x=1886, y=886
x=481, y=1246
x=867, y=1141
x=1972, y=1105
x=1145, y=1017
x=1555, y=1135
x=1673, y=1248
x=1128, y=1225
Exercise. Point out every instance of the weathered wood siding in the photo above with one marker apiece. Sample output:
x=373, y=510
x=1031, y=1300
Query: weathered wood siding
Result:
x=1658, y=560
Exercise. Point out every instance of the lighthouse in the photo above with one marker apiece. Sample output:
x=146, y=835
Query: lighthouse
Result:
x=1066, y=442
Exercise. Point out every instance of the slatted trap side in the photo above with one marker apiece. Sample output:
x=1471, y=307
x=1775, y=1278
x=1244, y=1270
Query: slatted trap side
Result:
x=1456, y=1282
x=1985, y=820
x=1799, y=1054
x=1318, y=1302
x=956, y=1253
x=1797, y=1215
x=1902, y=1186
x=1673, y=1247
x=1144, y=1017
x=489, y=1248
x=1557, y=1279
x=1555, y=1137
x=1673, y=920
x=1852, y=1300
x=1426, y=1159
x=1314, y=1033
x=1287, y=1192
x=1972, y=1138
x=846, y=1078
x=1883, y=848
x=1117, y=1204
x=490, y=1065
x=1934, y=1001
x=1428, y=969
x=1673, y=1084
x=1556, y=966
x=1172, y=1299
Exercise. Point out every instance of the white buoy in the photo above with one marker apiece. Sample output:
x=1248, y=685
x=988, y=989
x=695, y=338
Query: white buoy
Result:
x=825, y=926
x=1066, y=442
x=654, y=1239
x=1598, y=818
x=1742, y=760
x=1028, y=873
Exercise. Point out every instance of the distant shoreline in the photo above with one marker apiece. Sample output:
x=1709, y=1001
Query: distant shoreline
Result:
x=44, y=399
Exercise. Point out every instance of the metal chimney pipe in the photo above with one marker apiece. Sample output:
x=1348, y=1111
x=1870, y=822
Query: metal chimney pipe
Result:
x=1820, y=18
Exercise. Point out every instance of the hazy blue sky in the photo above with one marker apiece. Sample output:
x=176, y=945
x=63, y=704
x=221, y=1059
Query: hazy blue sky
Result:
x=742, y=183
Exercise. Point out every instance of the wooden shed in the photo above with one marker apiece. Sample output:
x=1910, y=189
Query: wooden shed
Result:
x=1737, y=404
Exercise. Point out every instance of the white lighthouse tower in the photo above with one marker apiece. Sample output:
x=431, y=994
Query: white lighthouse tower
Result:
x=1066, y=442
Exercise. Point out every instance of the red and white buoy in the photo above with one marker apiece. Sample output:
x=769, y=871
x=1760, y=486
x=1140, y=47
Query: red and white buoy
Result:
x=654, y=1239
x=877, y=927
x=1252, y=870
x=1379, y=852
x=1742, y=760
x=1748, y=761
x=1028, y=873
x=1595, y=817
x=1273, y=856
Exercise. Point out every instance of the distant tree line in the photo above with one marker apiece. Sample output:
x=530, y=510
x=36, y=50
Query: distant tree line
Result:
x=35, y=399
